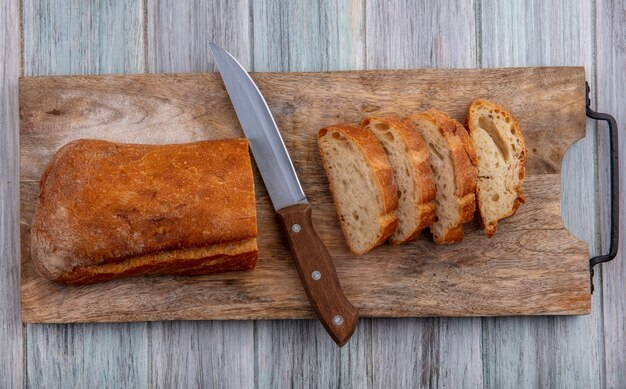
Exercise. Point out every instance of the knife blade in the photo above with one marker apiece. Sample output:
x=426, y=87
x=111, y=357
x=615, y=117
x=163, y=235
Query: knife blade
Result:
x=313, y=262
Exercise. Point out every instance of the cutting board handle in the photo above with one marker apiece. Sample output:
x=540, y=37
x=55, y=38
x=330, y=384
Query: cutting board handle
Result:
x=317, y=273
x=614, y=156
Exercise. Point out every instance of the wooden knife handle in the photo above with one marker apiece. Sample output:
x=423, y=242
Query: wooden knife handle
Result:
x=318, y=274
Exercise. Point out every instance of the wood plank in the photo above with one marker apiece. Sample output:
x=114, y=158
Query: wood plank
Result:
x=509, y=275
x=555, y=351
x=11, y=372
x=426, y=352
x=309, y=36
x=84, y=37
x=408, y=34
x=611, y=78
x=72, y=355
x=199, y=354
x=202, y=354
x=433, y=351
x=299, y=353
x=179, y=33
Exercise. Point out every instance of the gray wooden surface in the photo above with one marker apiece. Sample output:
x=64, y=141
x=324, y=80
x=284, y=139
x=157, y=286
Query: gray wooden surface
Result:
x=11, y=362
x=69, y=37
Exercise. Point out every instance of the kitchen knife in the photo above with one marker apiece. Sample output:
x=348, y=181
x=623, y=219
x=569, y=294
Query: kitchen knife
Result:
x=315, y=266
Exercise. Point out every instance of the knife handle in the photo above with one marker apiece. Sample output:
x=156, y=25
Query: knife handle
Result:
x=317, y=273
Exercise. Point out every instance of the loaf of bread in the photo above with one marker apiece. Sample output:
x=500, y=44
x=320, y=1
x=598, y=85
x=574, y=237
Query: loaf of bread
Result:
x=501, y=162
x=109, y=210
x=452, y=158
x=362, y=184
x=409, y=159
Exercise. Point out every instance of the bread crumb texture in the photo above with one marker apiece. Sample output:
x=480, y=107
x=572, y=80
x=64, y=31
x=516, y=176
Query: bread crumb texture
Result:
x=501, y=154
x=409, y=159
x=451, y=158
x=361, y=181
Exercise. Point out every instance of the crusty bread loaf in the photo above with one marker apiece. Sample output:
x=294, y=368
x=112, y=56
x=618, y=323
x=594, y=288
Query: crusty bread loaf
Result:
x=362, y=185
x=109, y=210
x=451, y=155
x=501, y=161
x=409, y=158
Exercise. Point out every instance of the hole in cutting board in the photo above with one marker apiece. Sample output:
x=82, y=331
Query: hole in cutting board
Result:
x=578, y=197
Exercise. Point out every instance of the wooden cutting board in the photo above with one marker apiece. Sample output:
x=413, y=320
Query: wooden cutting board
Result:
x=532, y=266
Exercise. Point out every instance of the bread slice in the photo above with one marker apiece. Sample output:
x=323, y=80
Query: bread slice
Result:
x=409, y=158
x=451, y=155
x=362, y=184
x=501, y=162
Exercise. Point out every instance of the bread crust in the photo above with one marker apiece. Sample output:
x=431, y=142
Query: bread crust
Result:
x=490, y=228
x=416, y=148
x=462, y=149
x=104, y=203
x=216, y=259
x=463, y=158
x=383, y=176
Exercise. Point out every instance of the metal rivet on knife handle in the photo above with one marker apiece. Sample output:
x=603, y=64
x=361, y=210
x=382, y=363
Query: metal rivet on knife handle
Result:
x=296, y=228
x=335, y=311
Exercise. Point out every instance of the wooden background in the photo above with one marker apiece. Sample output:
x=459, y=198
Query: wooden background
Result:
x=39, y=37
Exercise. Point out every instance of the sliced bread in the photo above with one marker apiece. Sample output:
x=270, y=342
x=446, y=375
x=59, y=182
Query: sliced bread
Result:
x=409, y=158
x=451, y=157
x=362, y=185
x=501, y=162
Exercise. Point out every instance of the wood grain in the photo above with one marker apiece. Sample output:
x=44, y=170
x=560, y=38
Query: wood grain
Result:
x=78, y=37
x=179, y=33
x=535, y=34
x=11, y=373
x=308, y=35
x=300, y=354
x=447, y=281
x=202, y=354
x=426, y=352
x=410, y=34
x=611, y=78
x=64, y=355
x=177, y=41
x=84, y=37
